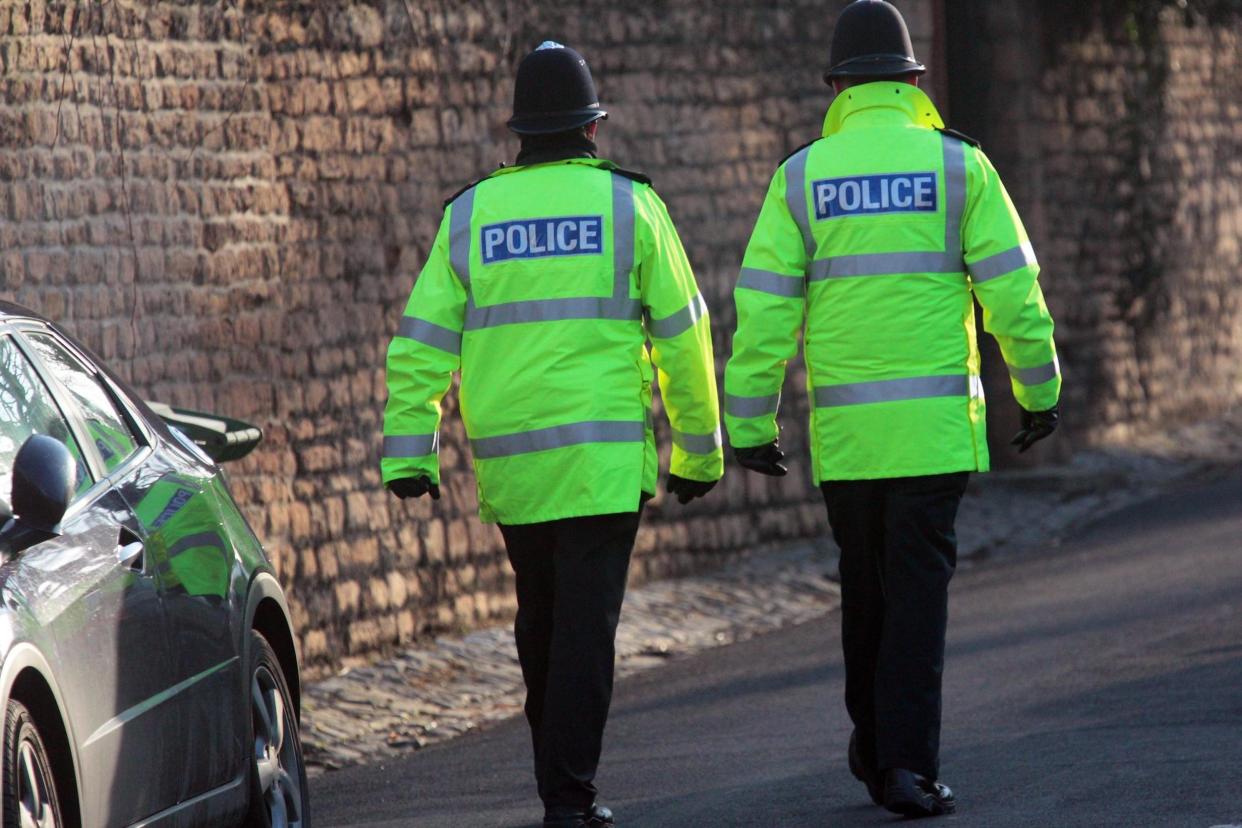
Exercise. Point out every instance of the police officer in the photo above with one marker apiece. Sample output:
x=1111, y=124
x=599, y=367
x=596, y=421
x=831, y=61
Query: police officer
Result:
x=544, y=283
x=873, y=240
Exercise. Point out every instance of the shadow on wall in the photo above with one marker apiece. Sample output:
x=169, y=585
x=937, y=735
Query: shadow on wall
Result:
x=1108, y=128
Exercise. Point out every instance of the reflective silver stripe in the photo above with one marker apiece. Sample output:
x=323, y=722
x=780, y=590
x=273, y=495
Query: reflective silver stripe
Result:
x=429, y=333
x=680, y=322
x=552, y=310
x=909, y=388
x=697, y=443
x=151, y=702
x=885, y=264
x=954, y=194
x=622, y=234
x=765, y=281
x=412, y=445
x=796, y=198
x=459, y=235
x=1002, y=263
x=745, y=407
x=546, y=439
x=1037, y=375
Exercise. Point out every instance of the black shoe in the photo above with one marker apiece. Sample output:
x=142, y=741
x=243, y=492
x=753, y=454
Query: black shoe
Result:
x=870, y=777
x=911, y=795
x=597, y=816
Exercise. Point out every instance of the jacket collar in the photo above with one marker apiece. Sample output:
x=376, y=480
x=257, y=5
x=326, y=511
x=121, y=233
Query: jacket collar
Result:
x=598, y=163
x=882, y=102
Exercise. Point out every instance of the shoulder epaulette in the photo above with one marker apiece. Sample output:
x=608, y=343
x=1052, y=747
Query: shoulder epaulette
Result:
x=798, y=150
x=961, y=136
x=633, y=175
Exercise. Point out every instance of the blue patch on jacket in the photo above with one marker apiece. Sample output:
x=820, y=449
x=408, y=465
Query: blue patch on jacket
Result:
x=861, y=195
x=539, y=238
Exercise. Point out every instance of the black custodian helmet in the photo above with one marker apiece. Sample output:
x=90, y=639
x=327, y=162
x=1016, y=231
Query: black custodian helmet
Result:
x=554, y=92
x=871, y=40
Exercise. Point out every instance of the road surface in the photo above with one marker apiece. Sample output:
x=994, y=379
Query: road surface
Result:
x=1095, y=685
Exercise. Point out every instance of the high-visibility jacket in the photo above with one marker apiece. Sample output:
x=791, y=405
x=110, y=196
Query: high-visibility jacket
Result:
x=871, y=242
x=543, y=286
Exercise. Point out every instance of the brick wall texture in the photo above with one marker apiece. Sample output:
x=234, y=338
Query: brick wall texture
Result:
x=1120, y=135
x=229, y=202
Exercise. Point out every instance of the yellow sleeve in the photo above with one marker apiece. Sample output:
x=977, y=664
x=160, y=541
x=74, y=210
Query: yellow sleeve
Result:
x=771, y=304
x=422, y=358
x=1004, y=275
x=681, y=342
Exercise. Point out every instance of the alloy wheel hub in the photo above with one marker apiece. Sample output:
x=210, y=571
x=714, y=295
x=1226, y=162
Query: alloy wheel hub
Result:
x=34, y=811
x=276, y=757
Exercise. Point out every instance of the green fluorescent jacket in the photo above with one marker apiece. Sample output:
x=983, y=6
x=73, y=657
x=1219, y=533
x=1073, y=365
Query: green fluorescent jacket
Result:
x=542, y=287
x=871, y=242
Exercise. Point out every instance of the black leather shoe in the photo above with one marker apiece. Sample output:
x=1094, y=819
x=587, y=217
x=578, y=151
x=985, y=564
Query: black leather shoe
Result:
x=870, y=777
x=597, y=816
x=911, y=795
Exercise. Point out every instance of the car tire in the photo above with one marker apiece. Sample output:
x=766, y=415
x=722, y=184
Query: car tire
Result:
x=279, y=795
x=30, y=795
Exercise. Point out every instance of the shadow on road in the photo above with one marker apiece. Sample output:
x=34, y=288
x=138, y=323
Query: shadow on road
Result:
x=739, y=688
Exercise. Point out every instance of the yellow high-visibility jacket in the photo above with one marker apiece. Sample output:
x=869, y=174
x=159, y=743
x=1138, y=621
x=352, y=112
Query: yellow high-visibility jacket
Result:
x=542, y=287
x=871, y=242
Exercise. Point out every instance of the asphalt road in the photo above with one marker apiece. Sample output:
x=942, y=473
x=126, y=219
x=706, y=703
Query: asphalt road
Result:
x=1096, y=685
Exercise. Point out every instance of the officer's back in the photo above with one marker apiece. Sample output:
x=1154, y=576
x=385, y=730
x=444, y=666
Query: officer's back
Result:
x=560, y=267
x=851, y=175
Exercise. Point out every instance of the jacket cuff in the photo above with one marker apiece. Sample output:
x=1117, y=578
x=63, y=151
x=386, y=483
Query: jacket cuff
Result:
x=396, y=468
x=702, y=467
x=1038, y=397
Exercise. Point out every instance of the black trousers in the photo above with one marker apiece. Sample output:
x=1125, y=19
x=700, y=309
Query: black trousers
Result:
x=898, y=552
x=571, y=578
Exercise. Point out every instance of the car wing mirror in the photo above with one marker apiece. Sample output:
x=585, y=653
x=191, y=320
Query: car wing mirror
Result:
x=43, y=484
x=223, y=439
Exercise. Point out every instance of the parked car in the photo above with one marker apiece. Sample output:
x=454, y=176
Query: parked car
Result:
x=148, y=674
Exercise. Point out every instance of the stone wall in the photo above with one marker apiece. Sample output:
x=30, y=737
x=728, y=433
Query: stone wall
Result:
x=229, y=202
x=1119, y=133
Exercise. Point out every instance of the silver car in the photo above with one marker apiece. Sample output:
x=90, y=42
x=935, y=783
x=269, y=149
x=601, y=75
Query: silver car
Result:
x=148, y=673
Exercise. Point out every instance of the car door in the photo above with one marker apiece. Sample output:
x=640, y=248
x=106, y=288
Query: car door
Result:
x=108, y=618
x=181, y=518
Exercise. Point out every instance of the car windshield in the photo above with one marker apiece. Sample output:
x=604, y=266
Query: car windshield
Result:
x=26, y=408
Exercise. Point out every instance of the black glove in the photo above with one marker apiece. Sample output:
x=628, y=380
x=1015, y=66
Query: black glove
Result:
x=414, y=487
x=687, y=490
x=1036, y=425
x=763, y=459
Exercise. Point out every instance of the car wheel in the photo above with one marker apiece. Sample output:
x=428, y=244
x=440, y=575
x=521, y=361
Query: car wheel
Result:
x=29, y=786
x=278, y=790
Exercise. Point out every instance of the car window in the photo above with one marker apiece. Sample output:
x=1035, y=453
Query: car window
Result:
x=26, y=408
x=107, y=428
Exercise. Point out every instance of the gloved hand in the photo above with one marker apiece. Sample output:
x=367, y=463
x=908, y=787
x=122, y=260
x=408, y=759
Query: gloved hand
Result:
x=414, y=487
x=1036, y=425
x=687, y=490
x=763, y=459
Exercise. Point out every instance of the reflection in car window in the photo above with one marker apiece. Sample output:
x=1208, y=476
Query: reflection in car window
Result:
x=26, y=408
x=108, y=429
